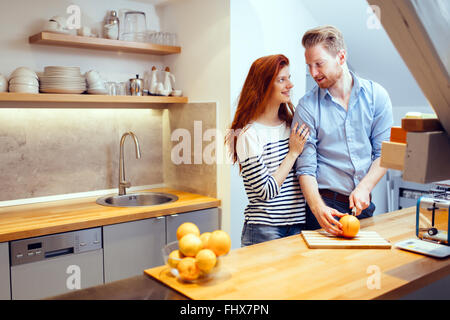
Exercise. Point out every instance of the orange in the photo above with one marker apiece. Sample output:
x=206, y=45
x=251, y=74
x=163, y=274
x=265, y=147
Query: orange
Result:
x=188, y=269
x=174, y=258
x=350, y=226
x=206, y=260
x=205, y=238
x=186, y=228
x=190, y=245
x=219, y=242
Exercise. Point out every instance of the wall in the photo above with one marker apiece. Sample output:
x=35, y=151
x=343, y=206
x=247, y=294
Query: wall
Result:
x=260, y=28
x=188, y=153
x=203, y=72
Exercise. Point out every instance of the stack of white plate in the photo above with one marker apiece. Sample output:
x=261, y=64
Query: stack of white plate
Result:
x=62, y=80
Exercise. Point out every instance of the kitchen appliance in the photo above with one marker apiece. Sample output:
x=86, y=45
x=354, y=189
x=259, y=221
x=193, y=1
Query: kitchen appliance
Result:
x=432, y=224
x=432, y=216
x=54, y=264
x=404, y=194
x=136, y=86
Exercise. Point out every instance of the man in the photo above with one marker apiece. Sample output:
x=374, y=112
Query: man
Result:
x=348, y=118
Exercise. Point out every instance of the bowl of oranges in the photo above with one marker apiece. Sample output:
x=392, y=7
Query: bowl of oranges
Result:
x=196, y=257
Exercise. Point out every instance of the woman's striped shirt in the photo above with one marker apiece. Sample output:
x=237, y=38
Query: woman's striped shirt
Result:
x=260, y=150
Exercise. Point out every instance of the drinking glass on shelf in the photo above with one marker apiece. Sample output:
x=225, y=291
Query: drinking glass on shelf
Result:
x=111, y=88
x=173, y=39
x=121, y=88
x=134, y=26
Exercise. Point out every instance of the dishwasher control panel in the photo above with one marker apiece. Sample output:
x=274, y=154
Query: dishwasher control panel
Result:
x=55, y=245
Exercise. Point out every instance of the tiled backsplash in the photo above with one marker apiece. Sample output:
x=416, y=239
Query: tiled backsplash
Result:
x=58, y=151
x=46, y=152
x=199, y=173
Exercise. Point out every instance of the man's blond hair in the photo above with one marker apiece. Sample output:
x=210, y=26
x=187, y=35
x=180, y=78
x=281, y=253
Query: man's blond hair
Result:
x=329, y=36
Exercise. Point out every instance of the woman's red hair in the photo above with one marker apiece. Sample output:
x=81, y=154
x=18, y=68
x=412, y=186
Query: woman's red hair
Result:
x=254, y=96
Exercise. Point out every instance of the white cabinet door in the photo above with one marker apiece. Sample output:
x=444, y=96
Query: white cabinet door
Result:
x=5, y=291
x=206, y=220
x=131, y=247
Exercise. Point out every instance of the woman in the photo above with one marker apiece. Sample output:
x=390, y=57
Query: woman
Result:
x=261, y=141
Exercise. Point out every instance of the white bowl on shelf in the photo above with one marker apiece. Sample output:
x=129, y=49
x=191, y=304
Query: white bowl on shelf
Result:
x=31, y=81
x=23, y=88
x=97, y=85
x=164, y=92
x=176, y=93
x=23, y=72
x=3, y=83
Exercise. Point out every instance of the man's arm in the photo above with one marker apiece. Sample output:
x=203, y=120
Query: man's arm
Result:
x=381, y=131
x=306, y=167
x=360, y=197
x=323, y=213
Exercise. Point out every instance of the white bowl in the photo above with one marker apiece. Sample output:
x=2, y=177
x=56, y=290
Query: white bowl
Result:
x=203, y=277
x=23, y=72
x=24, y=80
x=3, y=83
x=23, y=88
x=93, y=76
x=176, y=93
x=96, y=85
x=163, y=92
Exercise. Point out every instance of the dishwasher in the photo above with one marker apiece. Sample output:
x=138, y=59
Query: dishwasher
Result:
x=54, y=264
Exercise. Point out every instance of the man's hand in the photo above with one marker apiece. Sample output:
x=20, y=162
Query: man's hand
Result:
x=360, y=199
x=325, y=216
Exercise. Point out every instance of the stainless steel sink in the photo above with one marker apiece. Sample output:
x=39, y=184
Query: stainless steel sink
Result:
x=137, y=199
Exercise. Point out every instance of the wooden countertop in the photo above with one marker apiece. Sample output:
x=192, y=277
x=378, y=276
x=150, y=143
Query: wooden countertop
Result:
x=31, y=220
x=287, y=269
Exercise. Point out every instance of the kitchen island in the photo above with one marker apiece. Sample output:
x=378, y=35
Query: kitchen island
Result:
x=287, y=269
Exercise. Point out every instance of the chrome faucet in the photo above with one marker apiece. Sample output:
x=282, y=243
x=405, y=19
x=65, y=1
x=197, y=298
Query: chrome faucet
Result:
x=122, y=183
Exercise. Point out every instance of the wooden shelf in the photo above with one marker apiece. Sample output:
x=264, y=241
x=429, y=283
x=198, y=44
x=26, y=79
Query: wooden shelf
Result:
x=50, y=100
x=67, y=40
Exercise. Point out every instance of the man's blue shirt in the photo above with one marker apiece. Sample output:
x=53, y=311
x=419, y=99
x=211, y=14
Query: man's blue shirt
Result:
x=343, y=144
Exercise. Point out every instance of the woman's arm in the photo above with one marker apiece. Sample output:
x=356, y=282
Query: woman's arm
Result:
x=259, y=183
x=297, y=141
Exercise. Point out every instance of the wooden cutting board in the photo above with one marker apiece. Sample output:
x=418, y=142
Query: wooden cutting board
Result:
x=364, y=240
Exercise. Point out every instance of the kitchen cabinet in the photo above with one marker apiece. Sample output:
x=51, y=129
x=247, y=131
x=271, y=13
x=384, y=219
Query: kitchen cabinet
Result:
x=206, y=220
x=131, y=247
x=5, y=292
